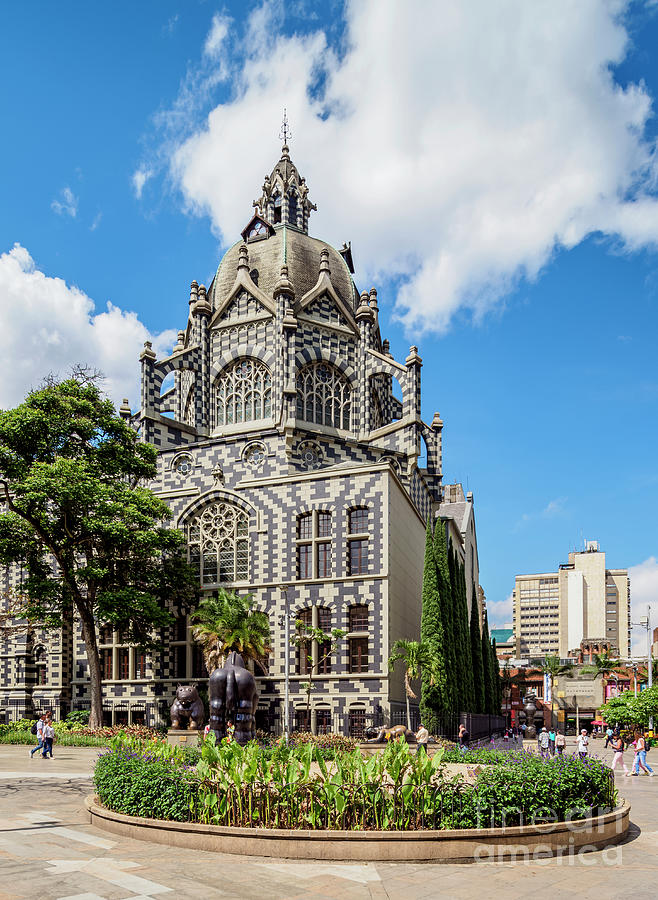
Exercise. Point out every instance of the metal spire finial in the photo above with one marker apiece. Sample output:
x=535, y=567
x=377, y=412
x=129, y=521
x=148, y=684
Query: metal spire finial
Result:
x=285, y=134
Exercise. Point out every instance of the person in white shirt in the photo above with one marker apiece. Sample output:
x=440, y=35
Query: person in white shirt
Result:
x=41, y=722
x=583, y=741
x=422, y=736
x=544, y=743
x=48, y=738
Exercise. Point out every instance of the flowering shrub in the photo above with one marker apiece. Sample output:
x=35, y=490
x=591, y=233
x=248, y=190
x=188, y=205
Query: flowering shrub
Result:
x=297, y=786
x=72, y=734
x=144, y=781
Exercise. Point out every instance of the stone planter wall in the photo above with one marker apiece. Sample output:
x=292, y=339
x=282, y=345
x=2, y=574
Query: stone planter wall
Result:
x=464, y=845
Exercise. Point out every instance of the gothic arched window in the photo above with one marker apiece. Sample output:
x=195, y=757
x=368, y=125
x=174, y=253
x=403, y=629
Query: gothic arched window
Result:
x=277, y=209
x=218, y=544
x=324, y=396
x=243, y=393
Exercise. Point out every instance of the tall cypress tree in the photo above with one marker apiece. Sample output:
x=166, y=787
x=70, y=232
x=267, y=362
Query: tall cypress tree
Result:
x=464, y=647
x=433, y=700
x=496, y=678
x=487, y=667
x=476, y=655
x=445, y=592
x=453, y=609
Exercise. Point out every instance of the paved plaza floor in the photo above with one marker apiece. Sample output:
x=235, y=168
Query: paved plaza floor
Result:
x=48, y=850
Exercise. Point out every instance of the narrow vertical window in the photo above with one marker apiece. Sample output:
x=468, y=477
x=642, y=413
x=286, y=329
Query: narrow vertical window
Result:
x=314, y=545
x=357, y=541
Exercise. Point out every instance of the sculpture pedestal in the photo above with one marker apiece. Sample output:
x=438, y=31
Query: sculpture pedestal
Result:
x=178, y=737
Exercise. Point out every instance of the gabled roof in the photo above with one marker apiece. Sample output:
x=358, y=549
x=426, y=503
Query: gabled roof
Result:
x=256, y=220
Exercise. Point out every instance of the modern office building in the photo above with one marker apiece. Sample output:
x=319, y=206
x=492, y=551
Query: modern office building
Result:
x=289, y=441
x=583, y=601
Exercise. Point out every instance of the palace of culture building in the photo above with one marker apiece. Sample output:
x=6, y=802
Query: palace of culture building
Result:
x=289, y=440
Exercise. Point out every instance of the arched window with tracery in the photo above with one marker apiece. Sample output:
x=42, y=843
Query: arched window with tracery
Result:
x=243, y=393
x=218, y=544
x=324, y=396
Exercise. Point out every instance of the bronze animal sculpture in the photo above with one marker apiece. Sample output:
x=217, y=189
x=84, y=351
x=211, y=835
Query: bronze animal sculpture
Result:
x=233, y=698
x=388, y=733
x=187, y=708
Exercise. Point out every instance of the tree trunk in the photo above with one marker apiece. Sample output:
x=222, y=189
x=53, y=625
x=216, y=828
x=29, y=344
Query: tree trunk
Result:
x=94, y=664
x=308, y=699
x=407, y=688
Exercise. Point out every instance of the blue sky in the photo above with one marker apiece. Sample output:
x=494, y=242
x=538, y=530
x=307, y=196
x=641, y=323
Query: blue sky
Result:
x=495, y=173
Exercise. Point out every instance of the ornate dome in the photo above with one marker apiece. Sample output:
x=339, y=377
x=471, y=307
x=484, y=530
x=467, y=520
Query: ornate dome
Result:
x=286, y=246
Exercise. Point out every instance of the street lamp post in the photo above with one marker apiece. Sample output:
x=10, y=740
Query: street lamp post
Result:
x=284, y=620
x=645, y=622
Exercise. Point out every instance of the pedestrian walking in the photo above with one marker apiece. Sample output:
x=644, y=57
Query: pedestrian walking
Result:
x=48, y=738
x=640, y=759
x=544, y=744
x=40, y=725
x=583, y=742
x=551, y=741
x=618, y=754
x=422, y=737
x=608, y=736
x=560, y=742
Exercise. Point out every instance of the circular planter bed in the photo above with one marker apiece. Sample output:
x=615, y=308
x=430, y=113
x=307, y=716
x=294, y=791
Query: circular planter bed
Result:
x=462, y=845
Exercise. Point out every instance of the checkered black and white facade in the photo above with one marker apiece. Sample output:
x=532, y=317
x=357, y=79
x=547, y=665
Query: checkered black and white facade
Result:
x=288, y=442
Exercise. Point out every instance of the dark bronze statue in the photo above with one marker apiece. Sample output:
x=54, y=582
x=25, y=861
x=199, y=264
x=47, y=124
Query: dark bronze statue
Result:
x=187, y=708
x=387, y=733
x=233, y=698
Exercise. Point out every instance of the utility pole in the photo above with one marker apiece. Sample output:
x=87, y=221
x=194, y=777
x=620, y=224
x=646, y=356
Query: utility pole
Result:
x=649, y=659
x=284, y=619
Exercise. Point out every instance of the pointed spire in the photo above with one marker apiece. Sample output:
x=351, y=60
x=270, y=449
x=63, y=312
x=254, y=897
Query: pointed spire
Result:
x=284, y=199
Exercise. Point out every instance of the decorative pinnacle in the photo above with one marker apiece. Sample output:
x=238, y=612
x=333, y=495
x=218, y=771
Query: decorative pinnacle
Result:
x=285, y=134
x=243, y=258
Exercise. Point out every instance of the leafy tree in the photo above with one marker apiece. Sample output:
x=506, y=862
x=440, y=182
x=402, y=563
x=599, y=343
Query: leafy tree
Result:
x=327, y=643
x=433, y=701
x=90, y=536
x=227, y=622
x=627, y=709
x=417, y=657
x=476, y=656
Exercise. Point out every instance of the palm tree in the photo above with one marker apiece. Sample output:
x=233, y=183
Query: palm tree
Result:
x=416, y=656
x=552, y=667
x=227, y=622
x=604, y=666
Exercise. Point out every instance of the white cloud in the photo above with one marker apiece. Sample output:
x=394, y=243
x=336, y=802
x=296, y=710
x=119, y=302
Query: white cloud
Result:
x=97, y=221
x=139, y=179
x=499, y=612
x=216, y=36
x=67, y=205
x=644, y=590
x=48, y=326
x=553, y=508
x=459, y=147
